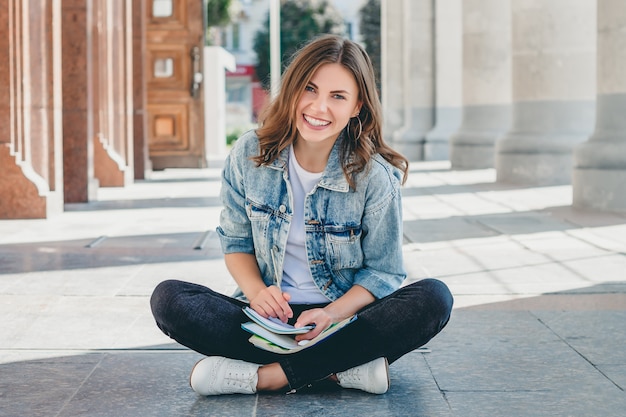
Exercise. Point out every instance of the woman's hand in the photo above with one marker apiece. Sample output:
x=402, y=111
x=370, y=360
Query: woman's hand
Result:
x=345, y=306
x=272, y=302
x=318, y=316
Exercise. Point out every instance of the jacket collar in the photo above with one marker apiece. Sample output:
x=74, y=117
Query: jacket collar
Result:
x=333, y=178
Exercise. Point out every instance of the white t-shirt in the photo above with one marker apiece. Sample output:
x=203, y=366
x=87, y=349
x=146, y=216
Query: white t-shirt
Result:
x=297, y=279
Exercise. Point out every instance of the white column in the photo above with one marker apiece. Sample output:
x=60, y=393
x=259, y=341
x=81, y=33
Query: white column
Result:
x=416, y=80
x=486, y=79
x=448, y=64
x=392, y=92
x=216, y=61
x=554, y=74
x=599, y=179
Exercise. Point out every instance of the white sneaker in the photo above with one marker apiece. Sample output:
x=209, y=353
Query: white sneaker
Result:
x=217, y=375
x=372, y=377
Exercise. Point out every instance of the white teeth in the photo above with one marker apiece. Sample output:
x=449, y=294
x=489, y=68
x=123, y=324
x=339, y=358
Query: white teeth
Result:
x=315, y=122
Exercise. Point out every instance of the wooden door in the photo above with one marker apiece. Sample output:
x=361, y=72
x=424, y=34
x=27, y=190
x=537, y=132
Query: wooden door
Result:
x=174, y=46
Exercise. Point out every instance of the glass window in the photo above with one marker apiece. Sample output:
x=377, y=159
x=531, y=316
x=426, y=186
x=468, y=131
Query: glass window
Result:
x=162, y=8
x=163, y=67
x=236, y=37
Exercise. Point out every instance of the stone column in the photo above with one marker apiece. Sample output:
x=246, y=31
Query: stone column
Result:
x=599, y=179
x=418, y=79
x=392, y=59
x=448, y=58
x=486, y=83
x=554, y=65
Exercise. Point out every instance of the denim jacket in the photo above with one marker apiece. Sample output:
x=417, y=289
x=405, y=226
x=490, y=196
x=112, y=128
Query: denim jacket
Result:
x=352, y=236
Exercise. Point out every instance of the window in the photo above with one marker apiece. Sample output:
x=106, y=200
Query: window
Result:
x=163, y=67
x=162, y=8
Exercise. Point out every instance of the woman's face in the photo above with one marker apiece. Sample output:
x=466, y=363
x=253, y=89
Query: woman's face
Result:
x=328, y=102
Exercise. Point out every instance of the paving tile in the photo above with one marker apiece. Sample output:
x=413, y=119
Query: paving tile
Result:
x=616, y=373
x=146, y=384
x=459, y=257
x=18, y=315
x=577, y=401
x=511, y=351
x=589, y=300
x=529, y=280
x=559, y=245
x=73, y=322
x=537, y=330
x=608, y=268
x=524, y=364
x=209, y=272
x=42, y=387
x=523, y=223
x=451, y=228
x=70, y=282
x=155, y=384
x=598, y=336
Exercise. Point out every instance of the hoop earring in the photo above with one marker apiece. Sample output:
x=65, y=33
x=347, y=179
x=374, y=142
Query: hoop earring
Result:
x=356, y=138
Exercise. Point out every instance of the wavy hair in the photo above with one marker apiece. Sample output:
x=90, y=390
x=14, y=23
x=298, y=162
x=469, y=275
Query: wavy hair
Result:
x=361, y=140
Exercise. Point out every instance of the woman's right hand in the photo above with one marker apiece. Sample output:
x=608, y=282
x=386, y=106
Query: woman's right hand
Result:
x=272, y=302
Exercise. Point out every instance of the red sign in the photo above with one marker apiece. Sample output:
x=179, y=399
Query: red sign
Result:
x=242, y=71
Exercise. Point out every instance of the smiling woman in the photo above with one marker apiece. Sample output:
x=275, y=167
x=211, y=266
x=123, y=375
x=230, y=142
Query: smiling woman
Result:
x=279, y=121
x=311, y=232
x=324, y=110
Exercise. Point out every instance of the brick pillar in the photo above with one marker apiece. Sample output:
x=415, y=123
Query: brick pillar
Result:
x=30, y=135
x=554, y=67
x=599, y=179
x=6, y=95
x=113, y=129
x=486, y=83
x=140, y=139
x=80, y=184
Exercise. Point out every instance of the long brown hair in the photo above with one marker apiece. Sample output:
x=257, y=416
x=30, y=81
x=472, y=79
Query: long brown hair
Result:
x=277, y=121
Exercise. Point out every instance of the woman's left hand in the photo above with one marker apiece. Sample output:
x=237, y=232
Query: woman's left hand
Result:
x=345, y=306
x=318, y=316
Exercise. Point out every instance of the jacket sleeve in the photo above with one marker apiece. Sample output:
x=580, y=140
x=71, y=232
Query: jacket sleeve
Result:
x=234, y=230
x=383, y=269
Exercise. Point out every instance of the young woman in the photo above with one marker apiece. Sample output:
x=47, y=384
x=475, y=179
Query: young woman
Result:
x=312, y=233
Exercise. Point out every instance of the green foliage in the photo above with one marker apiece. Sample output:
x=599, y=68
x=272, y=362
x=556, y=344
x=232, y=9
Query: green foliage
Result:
x=370, y=31
x=232, y=136
x=300, y=21
x=218, y=12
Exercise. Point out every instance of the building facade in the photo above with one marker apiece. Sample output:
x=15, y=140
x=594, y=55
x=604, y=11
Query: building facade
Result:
x=533, y=89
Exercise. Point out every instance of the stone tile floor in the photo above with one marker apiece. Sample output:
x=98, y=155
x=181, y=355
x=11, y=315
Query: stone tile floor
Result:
x=538, y=327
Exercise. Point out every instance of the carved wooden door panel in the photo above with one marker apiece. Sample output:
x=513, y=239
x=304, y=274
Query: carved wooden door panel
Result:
x=174, y=45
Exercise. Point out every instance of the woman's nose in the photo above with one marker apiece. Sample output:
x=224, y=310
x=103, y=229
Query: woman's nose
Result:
x=320, y=104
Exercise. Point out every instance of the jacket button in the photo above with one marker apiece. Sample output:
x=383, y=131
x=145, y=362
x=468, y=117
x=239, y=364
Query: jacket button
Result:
x=282, y=208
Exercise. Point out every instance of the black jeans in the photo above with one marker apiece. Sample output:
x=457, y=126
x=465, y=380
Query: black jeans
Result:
x=210, y=323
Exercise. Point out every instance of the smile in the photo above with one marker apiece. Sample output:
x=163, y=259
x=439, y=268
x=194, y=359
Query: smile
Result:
x=315, y=122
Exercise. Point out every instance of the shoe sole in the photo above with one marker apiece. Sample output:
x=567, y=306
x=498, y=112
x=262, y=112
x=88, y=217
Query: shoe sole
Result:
x=191, y=373
x=387, y=377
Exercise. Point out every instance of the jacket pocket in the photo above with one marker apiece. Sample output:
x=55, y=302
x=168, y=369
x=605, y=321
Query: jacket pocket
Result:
x=344, y=247
x=260, y=216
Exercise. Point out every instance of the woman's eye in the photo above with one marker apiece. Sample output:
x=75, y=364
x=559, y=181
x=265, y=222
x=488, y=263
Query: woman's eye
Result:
x=339, y=97
x=309, y=88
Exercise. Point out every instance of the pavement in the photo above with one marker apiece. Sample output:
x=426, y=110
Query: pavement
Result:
x=538, y=328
